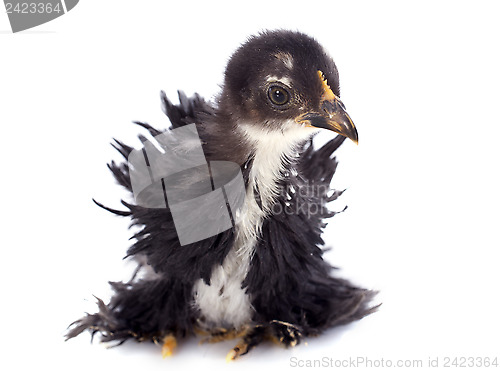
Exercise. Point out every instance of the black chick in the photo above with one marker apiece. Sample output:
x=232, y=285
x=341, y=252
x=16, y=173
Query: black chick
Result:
x=264, y=277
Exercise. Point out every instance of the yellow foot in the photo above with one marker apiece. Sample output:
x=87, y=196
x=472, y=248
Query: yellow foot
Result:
x=240, y=349
x=169, y=344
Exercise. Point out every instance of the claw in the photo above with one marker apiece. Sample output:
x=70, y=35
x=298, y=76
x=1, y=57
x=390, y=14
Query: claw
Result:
x=169, y=344
x=231, y=356
x=240, y=349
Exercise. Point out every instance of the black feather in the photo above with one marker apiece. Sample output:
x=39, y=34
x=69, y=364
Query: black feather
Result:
x=117, y=212
x=154, y=132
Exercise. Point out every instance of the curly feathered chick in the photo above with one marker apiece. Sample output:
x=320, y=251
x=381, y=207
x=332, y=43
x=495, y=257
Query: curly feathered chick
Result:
x=264, y=277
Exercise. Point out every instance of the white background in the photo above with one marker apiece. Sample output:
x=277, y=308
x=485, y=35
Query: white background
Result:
x=421, y=81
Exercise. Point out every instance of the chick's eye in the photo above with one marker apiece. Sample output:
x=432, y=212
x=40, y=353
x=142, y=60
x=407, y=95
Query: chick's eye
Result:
x=278, y=95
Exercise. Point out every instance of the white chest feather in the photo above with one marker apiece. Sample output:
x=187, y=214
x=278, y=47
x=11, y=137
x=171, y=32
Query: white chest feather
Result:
x=224, y=303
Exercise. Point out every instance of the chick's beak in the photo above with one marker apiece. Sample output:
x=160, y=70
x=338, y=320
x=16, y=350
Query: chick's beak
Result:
x=331, y=115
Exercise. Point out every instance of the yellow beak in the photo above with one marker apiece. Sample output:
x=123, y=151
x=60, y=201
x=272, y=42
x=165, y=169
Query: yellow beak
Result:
x=331, y=114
